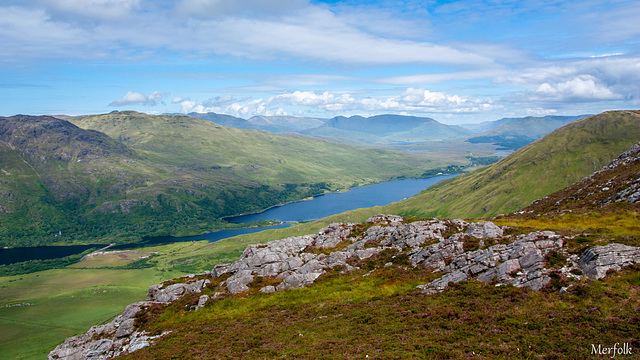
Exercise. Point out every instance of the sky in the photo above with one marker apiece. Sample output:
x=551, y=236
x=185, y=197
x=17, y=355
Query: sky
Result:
x=454, y=61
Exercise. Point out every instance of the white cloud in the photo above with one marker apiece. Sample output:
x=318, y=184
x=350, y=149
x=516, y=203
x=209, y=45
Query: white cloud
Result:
x=599, y=79
x=26, y=33
x=100, y=9
x=582, y=87
x=411, y=101
x=218, y=8
x=136, y=98
x=117, y=28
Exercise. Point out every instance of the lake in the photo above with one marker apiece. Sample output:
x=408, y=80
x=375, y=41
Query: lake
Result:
x=335, y=203
x=319, y=207
x=14, y=255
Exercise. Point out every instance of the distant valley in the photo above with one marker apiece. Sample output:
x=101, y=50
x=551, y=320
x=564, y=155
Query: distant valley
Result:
x=390, y=130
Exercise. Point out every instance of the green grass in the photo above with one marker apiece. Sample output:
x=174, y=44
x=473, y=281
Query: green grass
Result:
x=67, y=302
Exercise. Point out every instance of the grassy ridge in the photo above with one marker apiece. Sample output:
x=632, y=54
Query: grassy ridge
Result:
x=558, y=160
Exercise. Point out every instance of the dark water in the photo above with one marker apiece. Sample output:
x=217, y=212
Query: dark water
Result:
x=10, y=256
x=335, y=203
x=211, y=237
x=321, y=206
x=15, y=255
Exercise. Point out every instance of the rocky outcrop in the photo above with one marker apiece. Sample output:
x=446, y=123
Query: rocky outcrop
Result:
x=596, y=261
x=106, y=341
x=520, y=263
x=173, y=292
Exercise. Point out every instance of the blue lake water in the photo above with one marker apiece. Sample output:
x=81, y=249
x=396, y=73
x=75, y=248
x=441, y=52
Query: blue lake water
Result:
x=210, y=236
x=14, y=255
x=335, y=203
x=316, y=208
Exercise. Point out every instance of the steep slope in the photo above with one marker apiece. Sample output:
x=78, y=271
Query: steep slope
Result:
x=547, y=165
x=52, y=171
x=618, y=182
x=515, y=133
x=387, y=129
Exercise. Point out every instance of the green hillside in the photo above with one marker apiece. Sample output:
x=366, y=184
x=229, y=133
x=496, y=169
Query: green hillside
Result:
x=547, y=165
x=253, y=155
x=125, y=175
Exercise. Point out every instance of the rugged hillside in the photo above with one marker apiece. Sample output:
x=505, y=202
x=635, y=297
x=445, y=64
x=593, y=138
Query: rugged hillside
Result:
x=616, y=183
x=395, y=287
x=161, y=175
x=516, y=133
x=52, y=171
x=388, y=129
x=558, y=160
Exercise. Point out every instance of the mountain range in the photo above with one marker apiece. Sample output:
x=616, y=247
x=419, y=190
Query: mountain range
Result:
x=508, y=133
x=127, y=175
x=551, y=163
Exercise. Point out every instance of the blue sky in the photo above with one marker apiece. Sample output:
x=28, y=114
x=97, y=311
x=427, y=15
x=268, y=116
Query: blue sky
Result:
x=455, y=61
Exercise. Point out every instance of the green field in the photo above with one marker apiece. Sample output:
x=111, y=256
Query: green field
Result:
x=67, y=302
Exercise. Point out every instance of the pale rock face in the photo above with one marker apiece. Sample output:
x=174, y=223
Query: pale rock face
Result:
x=595, y=262
x=237, y=283
x=484, y=230
x=202, y=301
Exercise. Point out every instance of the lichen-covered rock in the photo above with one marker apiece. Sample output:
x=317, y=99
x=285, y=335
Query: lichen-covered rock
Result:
x=237, y=283
x=596, y=261
x=520, y=263
x=297, y=281
x=484, y=230
x=175, y=291
x=202, y=301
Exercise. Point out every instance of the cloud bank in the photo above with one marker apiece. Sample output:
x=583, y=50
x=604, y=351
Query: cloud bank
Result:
x=136, y=98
